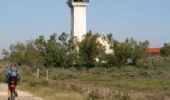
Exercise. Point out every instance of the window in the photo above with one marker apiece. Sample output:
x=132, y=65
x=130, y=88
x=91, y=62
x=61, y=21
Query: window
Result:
x=81, y=0
x=85, y=1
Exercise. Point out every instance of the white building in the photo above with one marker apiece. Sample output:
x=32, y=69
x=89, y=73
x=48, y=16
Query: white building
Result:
x=106, y=44
x=78, y=17
x=78, y=22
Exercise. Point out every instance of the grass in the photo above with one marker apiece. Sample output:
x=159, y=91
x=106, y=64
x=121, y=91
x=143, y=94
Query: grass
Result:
x=125, y=83
x=67, y=84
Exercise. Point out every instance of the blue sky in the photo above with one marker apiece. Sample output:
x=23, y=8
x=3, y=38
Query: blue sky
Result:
x=21, y=20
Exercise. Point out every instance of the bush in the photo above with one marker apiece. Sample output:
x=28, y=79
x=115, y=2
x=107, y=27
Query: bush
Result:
x=2, y=76
x=61, y=74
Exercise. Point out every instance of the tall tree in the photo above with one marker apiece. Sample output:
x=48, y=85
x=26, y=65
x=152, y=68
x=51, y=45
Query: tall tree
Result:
x=89, y=50
x=165, y=50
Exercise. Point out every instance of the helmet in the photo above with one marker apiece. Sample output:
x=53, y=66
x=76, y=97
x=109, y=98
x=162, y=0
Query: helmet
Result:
x=13, y=65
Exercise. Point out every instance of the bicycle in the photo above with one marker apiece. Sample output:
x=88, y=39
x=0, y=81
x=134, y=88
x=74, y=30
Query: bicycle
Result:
x=12, y=90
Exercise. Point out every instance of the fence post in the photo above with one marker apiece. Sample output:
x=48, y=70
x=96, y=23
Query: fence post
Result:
x=38, y=72
x=47, y=74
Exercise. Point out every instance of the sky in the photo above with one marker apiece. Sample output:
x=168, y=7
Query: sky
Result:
x=22, y=20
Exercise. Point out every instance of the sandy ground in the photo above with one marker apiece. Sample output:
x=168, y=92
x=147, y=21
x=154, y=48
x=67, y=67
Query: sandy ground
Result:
x=21, y=95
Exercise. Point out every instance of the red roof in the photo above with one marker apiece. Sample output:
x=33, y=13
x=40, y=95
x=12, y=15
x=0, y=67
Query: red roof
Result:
x=153, y=50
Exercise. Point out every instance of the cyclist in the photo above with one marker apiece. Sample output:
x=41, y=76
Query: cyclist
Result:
x=12, y=74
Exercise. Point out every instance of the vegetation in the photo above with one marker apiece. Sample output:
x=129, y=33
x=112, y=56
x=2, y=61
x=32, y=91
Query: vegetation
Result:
x=165, y=51
x=59, y=51
x=81, y=70
x=150, y=82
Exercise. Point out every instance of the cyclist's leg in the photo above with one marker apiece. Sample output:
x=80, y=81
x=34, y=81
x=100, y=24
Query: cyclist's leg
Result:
x=9, y=91
x=16, y=94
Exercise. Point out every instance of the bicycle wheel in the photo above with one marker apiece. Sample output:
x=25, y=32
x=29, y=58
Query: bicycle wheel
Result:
x=12, y=95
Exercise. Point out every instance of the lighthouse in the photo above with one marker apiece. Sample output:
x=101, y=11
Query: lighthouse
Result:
x=78, y=18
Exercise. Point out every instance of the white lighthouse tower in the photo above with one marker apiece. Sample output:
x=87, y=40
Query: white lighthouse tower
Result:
x=78, y=17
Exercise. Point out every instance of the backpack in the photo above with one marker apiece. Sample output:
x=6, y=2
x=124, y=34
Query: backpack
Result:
x=13, y=72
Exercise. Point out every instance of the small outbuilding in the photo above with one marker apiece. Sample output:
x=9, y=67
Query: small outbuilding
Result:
x=153, y=51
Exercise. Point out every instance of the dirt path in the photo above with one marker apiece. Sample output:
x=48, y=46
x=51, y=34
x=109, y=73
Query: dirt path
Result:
x=21, y=95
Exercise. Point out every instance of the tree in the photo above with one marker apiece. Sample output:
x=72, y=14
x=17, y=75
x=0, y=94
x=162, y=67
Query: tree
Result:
x=129, y=49
x=89, y=50
x=63, y=38
x=40, y=44
x=17, y=53
x=33, y=57
x=58, y=51
x=6, y=54
x=165, y=50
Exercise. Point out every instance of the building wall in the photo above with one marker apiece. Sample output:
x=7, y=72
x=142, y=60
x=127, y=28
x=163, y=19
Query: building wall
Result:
x=79, y=20
x=106, y=44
